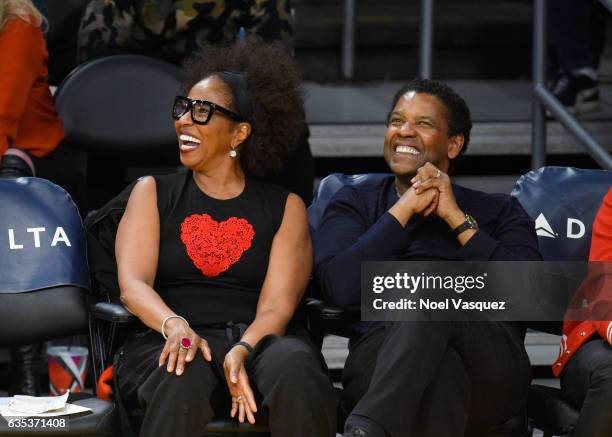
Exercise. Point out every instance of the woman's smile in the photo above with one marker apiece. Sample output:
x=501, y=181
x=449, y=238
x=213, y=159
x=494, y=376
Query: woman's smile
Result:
x=187, y=142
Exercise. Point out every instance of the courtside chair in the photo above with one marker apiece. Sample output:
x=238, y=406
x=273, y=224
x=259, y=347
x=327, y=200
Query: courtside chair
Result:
x=44, y=283
x=117, y=110
x=563, y=201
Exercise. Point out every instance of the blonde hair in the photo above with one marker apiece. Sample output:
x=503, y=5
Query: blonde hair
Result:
x=23, y=9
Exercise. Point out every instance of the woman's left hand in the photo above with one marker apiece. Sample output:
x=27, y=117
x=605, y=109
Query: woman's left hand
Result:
x=243, y=399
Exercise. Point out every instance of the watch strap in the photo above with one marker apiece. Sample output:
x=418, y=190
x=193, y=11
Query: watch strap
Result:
x=469, y=223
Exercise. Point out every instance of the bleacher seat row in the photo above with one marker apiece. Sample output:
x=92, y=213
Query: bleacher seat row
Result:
x=45, y=278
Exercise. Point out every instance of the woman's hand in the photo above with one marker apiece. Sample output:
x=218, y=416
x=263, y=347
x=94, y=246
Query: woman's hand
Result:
x=243, y=399
x=175, y=353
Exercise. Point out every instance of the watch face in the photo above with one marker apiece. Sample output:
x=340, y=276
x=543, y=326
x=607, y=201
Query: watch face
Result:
x=472, y=221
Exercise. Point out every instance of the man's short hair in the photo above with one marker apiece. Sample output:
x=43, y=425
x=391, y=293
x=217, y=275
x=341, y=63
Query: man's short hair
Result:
x=457, y=111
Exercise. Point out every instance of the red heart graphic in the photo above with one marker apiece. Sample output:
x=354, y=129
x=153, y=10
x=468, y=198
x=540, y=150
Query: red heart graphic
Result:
x=214, y=246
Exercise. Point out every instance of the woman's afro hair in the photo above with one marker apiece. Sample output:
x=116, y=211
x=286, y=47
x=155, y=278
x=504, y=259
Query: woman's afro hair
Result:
x=276, y=101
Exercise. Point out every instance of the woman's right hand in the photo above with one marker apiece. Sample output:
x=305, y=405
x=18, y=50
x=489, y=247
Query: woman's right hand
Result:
x=177, y=356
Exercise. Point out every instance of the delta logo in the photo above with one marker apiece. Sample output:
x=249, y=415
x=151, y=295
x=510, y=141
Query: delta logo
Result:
x=574, y=229
x=35, y=237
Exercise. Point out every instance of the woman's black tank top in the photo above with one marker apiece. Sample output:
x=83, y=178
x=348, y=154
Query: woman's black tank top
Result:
x=213, y=254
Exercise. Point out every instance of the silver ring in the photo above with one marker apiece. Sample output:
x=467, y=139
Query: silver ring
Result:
x=438, y=174
x=239, y=398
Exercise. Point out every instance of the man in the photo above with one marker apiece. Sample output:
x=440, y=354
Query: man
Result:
x=425, y=378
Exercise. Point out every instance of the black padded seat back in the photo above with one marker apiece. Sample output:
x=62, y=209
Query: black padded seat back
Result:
x=121, y=102
x=42, y=315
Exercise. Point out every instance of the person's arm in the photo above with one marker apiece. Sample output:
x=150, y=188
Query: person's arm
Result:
x=343, y=240
x=286, y=279
x=22, y=50
x=513, y=239
x=601, y=250
x=137, y=252
x=601, y=241
x=287, y=276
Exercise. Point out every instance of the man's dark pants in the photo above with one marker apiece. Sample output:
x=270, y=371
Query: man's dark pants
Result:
x=436, y=378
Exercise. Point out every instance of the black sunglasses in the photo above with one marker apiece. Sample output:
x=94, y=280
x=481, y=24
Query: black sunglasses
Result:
x=201, y=110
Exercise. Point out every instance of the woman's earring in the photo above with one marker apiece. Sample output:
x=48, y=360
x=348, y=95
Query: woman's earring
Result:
x=233, y=153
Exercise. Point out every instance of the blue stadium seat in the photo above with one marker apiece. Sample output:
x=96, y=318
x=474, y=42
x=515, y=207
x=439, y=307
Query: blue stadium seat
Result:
x=44, y=282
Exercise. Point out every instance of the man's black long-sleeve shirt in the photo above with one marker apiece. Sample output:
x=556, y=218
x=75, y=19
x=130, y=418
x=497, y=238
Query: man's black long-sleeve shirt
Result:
x=356, y=227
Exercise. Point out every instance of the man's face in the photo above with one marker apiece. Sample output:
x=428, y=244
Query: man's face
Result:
x=417, y=133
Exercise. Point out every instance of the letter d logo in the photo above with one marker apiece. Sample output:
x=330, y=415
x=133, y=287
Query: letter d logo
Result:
x=570, y=228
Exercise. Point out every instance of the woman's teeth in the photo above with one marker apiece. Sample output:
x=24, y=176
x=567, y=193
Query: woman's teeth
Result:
x=187, y=142
x=189, y=139
x=406, y=149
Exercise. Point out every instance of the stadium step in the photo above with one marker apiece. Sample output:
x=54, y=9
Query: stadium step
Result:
x=349, y=121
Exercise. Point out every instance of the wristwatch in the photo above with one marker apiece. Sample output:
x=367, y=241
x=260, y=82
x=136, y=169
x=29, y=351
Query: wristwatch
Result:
x=469, y=223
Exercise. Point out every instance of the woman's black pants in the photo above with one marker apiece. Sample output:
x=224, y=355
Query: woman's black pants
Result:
x=442, y=379
x=294, y=395
x=587, y=385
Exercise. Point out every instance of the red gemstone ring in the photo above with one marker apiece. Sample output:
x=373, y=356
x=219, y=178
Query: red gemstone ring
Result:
x=185, y=343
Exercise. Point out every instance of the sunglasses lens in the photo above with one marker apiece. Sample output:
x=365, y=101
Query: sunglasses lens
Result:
x=181, y=105
x=201, y=112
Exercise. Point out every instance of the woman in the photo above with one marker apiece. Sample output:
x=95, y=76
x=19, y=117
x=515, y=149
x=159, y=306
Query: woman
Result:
x=215, y=262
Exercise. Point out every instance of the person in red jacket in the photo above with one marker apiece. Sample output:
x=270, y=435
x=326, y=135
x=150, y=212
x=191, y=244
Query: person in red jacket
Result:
x=585, y=358
x=31, y=132
x=29, y=125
